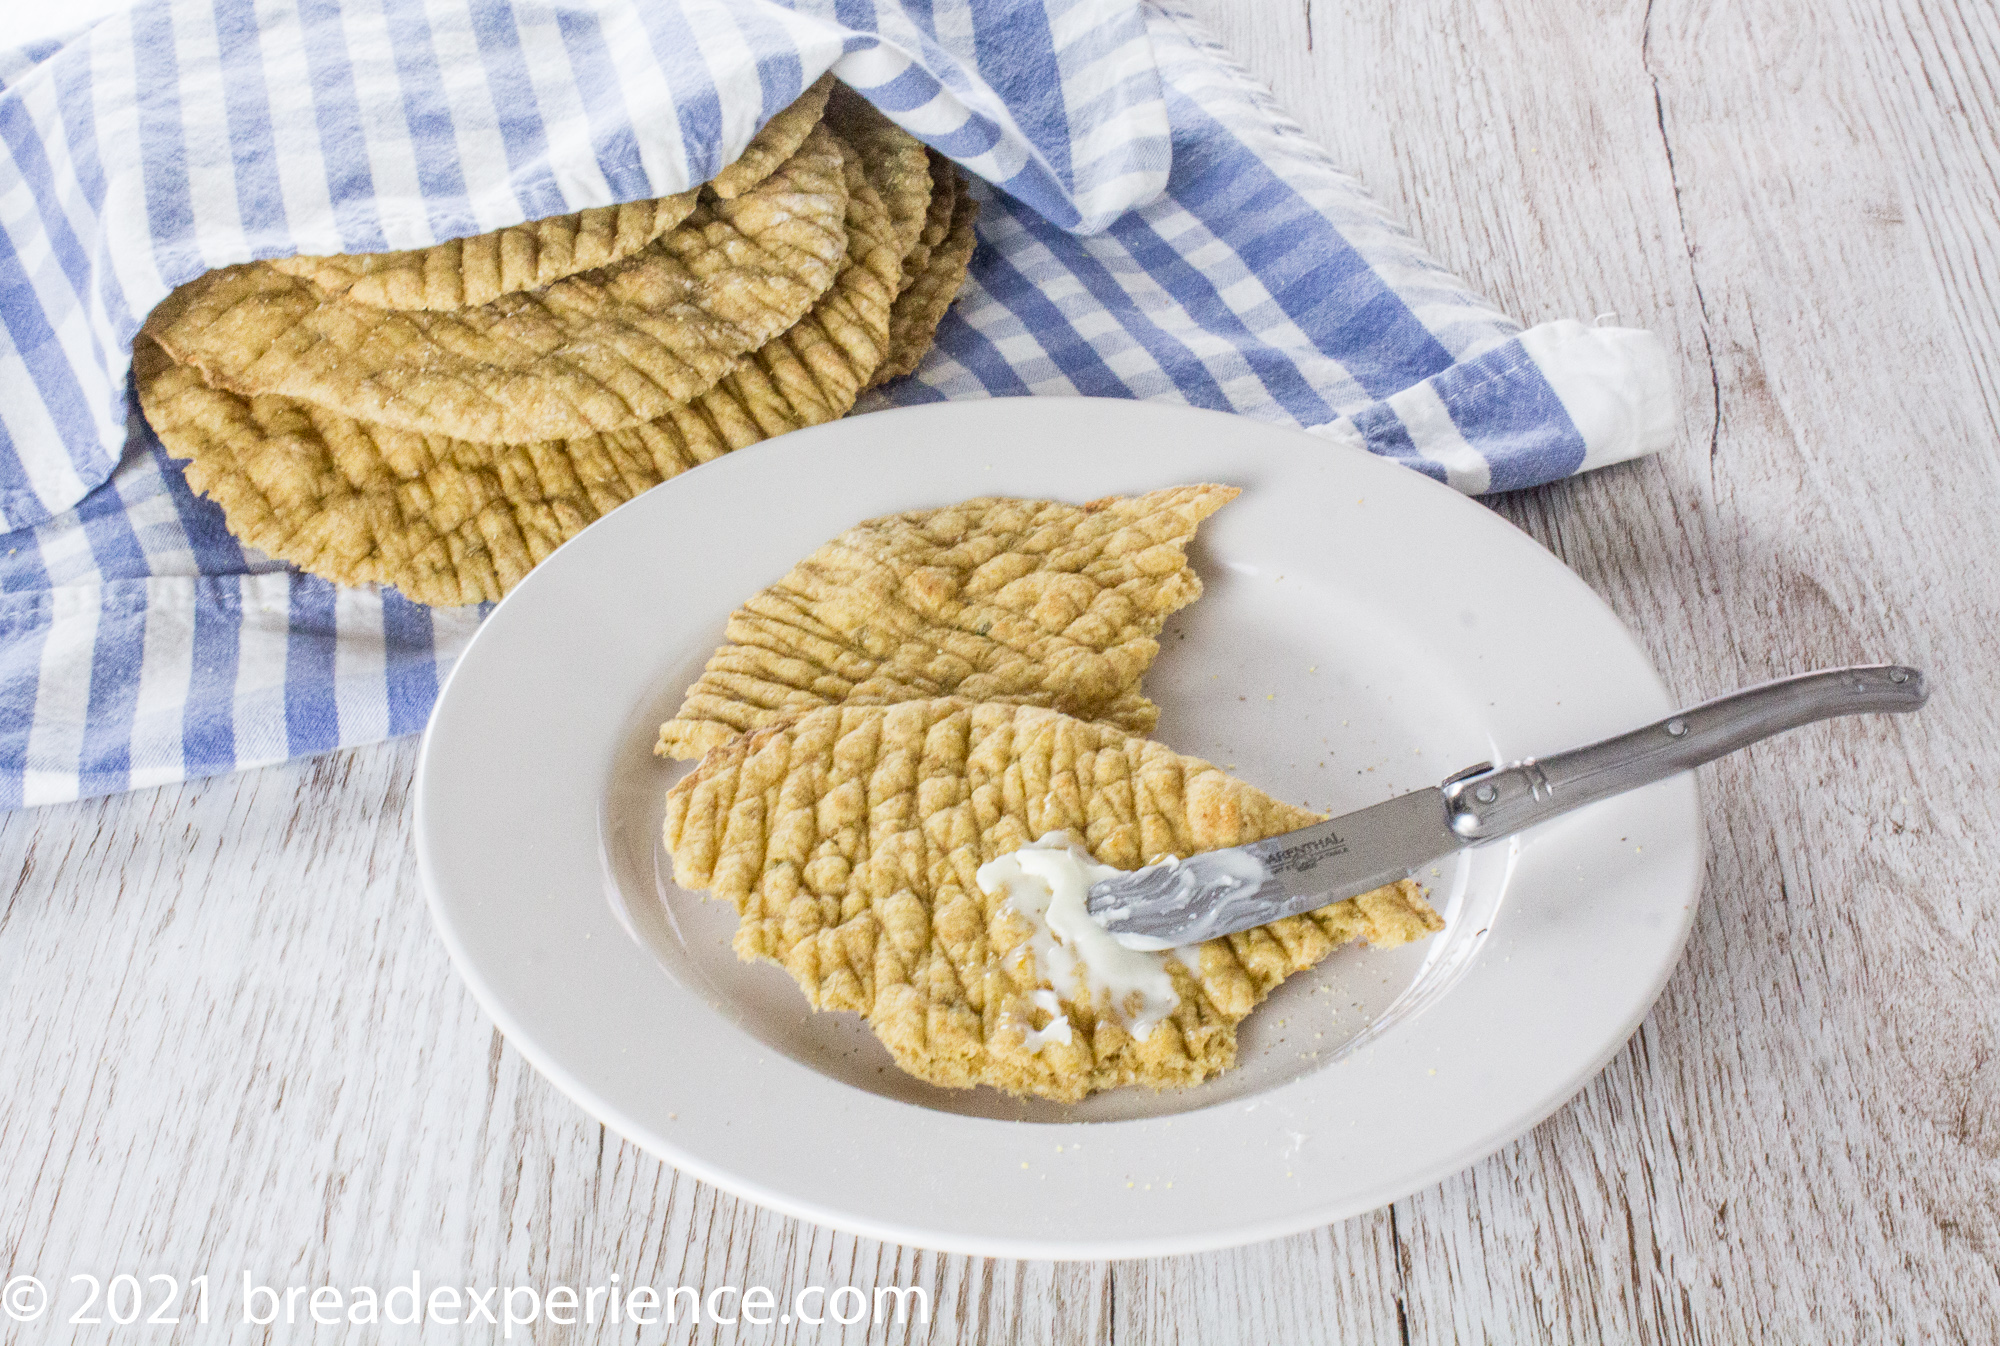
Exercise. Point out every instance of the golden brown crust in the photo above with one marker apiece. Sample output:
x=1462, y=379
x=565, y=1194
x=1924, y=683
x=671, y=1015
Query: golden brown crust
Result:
x=849, y=837
x=1033, y=602
x=448, y=521
x=465, y=272
x=812, y=372
x=898, y=164
x=778, y=140
x=913, y=323
x=937, y=218
x=602, y=350
x=441, y=419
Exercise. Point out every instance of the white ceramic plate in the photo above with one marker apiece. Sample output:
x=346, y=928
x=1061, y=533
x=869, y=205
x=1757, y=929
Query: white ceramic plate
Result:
x=1365, y=631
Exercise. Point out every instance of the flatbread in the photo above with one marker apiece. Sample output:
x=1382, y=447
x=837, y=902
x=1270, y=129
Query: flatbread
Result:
x=465, y=272
x=601, y=350
x=811, y=373
x=937, y=218
x=448, y=521
x=776, y=141
x=849, y=838
x=913, y=323
x=898, y=165
x=1030, y=602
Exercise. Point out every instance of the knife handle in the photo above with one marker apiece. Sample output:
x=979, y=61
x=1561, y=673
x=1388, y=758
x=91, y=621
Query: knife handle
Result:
x=1486, y=802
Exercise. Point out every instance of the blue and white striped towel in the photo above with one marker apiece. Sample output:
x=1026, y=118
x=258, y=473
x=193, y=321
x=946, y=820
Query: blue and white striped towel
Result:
x=1155, y=228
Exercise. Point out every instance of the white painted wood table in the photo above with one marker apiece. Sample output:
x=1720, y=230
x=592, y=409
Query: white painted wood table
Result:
x=232, y=1040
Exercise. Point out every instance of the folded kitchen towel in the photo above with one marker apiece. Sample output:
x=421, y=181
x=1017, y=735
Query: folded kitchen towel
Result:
x=1152, y=227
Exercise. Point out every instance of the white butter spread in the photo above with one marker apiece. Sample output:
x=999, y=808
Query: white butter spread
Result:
x=1055, y=1030
x=1047, y=882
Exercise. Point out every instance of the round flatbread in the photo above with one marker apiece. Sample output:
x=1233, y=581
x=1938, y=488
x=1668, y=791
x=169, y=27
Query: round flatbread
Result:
x=465, y=272
x=937, y=218
x=812, y=372
x=447, y=521
x=598, y=351
x=778, y=140
x=913, y=322
x=898, y=165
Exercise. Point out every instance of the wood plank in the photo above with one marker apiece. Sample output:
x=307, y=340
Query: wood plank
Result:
x=1799, y=1143
x=1341, y=1285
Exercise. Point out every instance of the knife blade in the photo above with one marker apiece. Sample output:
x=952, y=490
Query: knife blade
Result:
x=1215, y=893
x=1178, y=902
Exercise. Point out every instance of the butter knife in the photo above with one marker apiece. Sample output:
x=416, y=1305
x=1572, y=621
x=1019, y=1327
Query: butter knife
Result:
x=1181, y=902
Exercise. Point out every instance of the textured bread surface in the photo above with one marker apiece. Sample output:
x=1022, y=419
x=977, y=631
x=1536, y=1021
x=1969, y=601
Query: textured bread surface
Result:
x=930, y=289
x=1033, y=602
x=465, y=272
x=848, y=838
x=442, y=419
x=899, y=168
x=449, y=521
x=599, y=350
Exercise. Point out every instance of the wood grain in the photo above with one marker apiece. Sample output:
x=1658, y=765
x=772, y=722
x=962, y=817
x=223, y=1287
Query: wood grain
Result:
x=234, y=1042
x=1800, y=1142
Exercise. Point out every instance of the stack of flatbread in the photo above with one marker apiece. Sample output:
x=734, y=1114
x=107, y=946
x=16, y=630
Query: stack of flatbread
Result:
x=442, y=419
x=930, y=691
